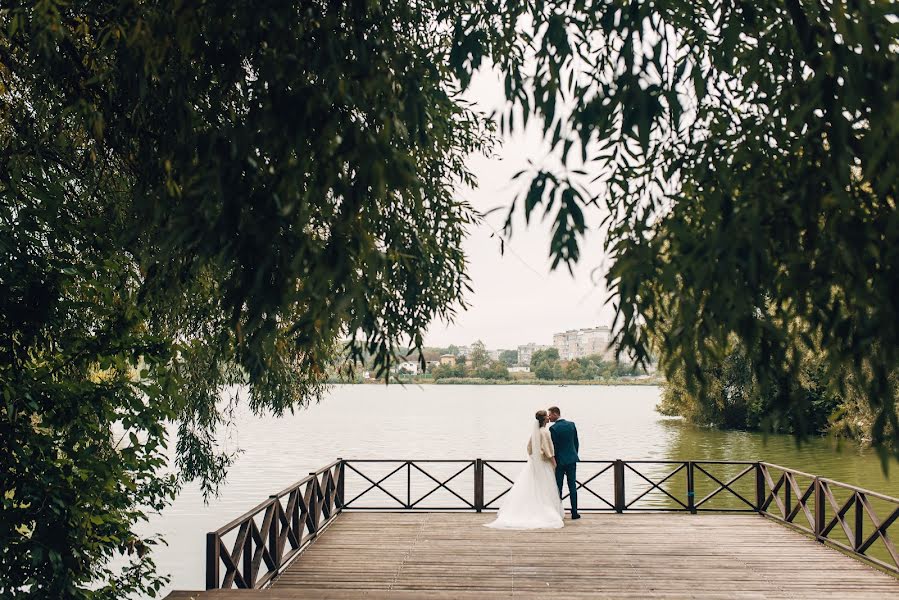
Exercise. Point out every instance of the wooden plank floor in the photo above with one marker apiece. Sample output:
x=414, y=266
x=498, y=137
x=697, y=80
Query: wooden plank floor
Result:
x=616, y=556
x=451, y=555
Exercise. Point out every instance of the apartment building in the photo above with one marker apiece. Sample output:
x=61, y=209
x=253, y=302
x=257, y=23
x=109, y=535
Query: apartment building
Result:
x=526, y=351
x=577, y=343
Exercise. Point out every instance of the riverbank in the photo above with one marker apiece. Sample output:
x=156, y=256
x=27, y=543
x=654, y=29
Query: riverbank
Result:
x=647, y=381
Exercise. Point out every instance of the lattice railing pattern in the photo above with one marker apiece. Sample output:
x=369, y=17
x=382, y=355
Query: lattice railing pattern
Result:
x=603, y=485
x=852, y=519
x=250, y=550
x=420, y=485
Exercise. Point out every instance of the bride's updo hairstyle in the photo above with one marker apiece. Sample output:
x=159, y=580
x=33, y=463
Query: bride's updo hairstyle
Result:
x=541, y=417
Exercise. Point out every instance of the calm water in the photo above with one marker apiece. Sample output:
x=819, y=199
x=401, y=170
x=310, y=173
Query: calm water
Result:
x=465, y=422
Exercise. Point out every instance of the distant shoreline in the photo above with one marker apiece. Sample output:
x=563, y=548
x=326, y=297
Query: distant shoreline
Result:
x=478, y=381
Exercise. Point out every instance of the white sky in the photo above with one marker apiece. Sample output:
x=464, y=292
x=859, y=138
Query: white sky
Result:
x=516, y=298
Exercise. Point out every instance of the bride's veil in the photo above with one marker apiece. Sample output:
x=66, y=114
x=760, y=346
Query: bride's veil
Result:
x=535, y=439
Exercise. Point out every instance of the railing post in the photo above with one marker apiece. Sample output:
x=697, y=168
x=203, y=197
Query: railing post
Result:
x=341, y=473
x=691, y=489
x=859, y=522
x=819, y=510
x=788, y=495
x=248, y=559
x=478, y=485
x=759, y=487
x=313, y=504
x=618, y=470
x=273, y=545
x=309, y=501
x=213, y=559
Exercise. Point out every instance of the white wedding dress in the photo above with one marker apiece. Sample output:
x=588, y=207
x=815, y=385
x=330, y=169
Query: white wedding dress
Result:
x=533, y=502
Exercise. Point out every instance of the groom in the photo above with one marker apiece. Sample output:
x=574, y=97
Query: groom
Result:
x=564, y=436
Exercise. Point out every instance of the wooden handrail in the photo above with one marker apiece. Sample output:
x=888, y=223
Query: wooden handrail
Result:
x=786, y=498
x=261, y=550
x=276, y=531
x=782, y=468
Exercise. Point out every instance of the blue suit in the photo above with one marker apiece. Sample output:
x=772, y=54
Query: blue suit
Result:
x=564, y=436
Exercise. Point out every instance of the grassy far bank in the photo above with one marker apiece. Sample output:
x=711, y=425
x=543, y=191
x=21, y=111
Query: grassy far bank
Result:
x=648, y=380
x=643, y=380
x=478, y=368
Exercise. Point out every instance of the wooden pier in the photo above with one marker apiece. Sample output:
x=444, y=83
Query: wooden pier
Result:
x=651, y=529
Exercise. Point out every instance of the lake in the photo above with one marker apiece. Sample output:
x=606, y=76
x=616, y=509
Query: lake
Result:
x=466, y=422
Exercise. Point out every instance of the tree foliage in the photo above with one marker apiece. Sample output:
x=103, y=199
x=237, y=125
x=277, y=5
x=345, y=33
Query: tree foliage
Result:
x=736, y=401
x=491, y=370
x=509, y=357
x=84, y=439
x=546, y=365
x=193, y=196
x=744, y=156
x=494, y=370
x=196, y=195
x=448, y=371
x=539, y=356
x=478, y=356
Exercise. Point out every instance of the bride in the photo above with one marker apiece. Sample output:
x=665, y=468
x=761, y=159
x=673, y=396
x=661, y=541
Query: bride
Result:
x=533, y=502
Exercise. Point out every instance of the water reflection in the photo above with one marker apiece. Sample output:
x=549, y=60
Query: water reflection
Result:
x=826, y=457
x=491, y=422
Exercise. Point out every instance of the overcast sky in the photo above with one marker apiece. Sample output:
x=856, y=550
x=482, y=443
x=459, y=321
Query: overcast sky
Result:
x=516, y=298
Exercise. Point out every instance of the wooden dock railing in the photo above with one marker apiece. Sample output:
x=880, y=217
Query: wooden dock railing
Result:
x=290, y=520
x=833, y=512
x=251, y=550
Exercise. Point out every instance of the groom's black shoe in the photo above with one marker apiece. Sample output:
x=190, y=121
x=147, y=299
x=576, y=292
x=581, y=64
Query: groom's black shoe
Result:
x=575, y=516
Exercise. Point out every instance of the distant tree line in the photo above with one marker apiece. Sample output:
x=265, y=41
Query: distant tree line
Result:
x=478, y=365
x=546, y=364
x=481, y=365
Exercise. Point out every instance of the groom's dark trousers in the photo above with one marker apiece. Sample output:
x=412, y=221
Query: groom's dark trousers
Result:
x=570, y=472
x=564, y=436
